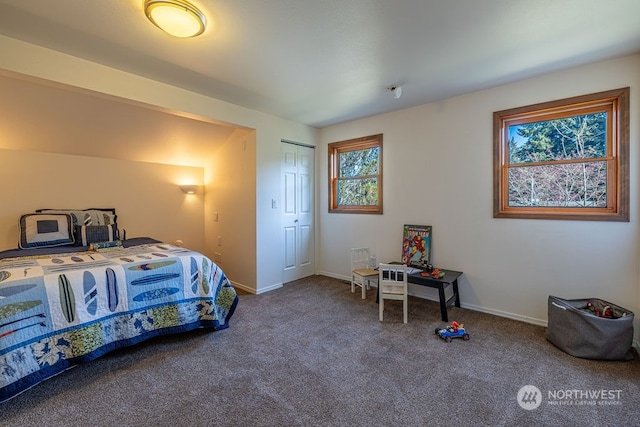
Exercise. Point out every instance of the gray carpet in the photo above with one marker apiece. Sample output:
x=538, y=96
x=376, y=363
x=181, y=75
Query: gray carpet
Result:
x=314, y=354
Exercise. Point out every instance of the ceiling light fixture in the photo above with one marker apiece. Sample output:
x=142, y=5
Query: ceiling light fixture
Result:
x=396, y=90
x=176, y=17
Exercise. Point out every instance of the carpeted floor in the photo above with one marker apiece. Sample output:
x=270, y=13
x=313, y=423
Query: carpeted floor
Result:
x=314, y=354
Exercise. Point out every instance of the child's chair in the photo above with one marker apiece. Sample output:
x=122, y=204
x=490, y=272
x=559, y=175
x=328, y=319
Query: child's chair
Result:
x=393, y=285
x=361, y=272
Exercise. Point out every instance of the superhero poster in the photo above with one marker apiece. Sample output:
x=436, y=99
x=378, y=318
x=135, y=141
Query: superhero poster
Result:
x=416, y=245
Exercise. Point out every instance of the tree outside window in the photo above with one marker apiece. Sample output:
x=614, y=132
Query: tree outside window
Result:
x=355, y=175
x=566, y=159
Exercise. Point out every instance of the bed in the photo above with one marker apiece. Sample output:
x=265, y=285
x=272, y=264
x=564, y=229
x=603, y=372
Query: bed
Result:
x=64, y=304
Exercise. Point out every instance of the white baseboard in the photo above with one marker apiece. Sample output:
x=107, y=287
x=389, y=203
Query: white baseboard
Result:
x=335, y=276
x=242, y=287
x=506, y=314
x=270, y=288
x=253, y=291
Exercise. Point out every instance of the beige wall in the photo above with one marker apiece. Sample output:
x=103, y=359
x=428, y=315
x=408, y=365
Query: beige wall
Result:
x=40, y=115
x=146, y=196
x=119, y=141
x=266, y=249
x=438, y=171
x=230, y=209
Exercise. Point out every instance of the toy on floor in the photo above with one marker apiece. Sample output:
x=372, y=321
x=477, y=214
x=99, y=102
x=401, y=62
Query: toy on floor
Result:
x=455, y=330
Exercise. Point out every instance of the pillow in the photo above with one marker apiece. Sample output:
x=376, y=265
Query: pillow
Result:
x=91, y=216
x=88, y=234
x=39, y=230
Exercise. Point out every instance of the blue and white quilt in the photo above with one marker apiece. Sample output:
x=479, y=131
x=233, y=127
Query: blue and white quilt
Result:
x=61, y=309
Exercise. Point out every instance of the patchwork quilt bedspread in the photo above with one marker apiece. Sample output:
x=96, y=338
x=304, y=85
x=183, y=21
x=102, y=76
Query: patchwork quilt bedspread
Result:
x=62, y=309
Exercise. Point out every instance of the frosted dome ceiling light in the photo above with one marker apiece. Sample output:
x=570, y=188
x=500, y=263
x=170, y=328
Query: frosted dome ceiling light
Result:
x=176, y=17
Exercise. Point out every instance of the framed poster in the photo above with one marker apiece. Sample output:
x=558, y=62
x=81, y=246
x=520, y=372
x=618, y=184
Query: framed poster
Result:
x=416, y=245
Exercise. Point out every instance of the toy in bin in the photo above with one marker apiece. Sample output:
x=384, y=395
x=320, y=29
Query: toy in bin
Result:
x=455, y=330
x=604, y=312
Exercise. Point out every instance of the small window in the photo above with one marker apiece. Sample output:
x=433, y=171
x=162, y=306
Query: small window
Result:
x=355, y=175
x=565, y=159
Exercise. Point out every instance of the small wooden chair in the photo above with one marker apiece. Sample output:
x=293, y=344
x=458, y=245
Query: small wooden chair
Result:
x=361, y=273
x=392, y=285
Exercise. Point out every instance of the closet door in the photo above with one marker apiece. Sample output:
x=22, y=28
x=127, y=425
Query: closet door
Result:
x=298, y=211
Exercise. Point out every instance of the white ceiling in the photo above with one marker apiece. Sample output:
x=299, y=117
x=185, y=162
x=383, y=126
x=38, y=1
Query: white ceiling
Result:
x=322, y=62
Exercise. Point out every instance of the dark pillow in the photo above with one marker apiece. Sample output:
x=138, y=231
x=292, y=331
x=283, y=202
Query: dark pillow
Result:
x=87, y=234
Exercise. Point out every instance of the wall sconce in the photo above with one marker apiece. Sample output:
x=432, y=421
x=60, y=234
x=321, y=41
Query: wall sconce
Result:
x=176, y=17
x=190, y=189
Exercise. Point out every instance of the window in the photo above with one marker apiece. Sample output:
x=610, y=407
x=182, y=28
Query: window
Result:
x=565, y=159
x=355, y=175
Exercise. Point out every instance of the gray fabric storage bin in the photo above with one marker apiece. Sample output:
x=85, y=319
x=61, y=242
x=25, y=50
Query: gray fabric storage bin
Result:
x=586, y=335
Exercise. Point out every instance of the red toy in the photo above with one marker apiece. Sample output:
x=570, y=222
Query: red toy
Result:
x=436, y=273
x=455, y=330
x=606, y=311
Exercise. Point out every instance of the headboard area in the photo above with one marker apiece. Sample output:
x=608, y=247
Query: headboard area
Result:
x=66, y=227
x=147, y=196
